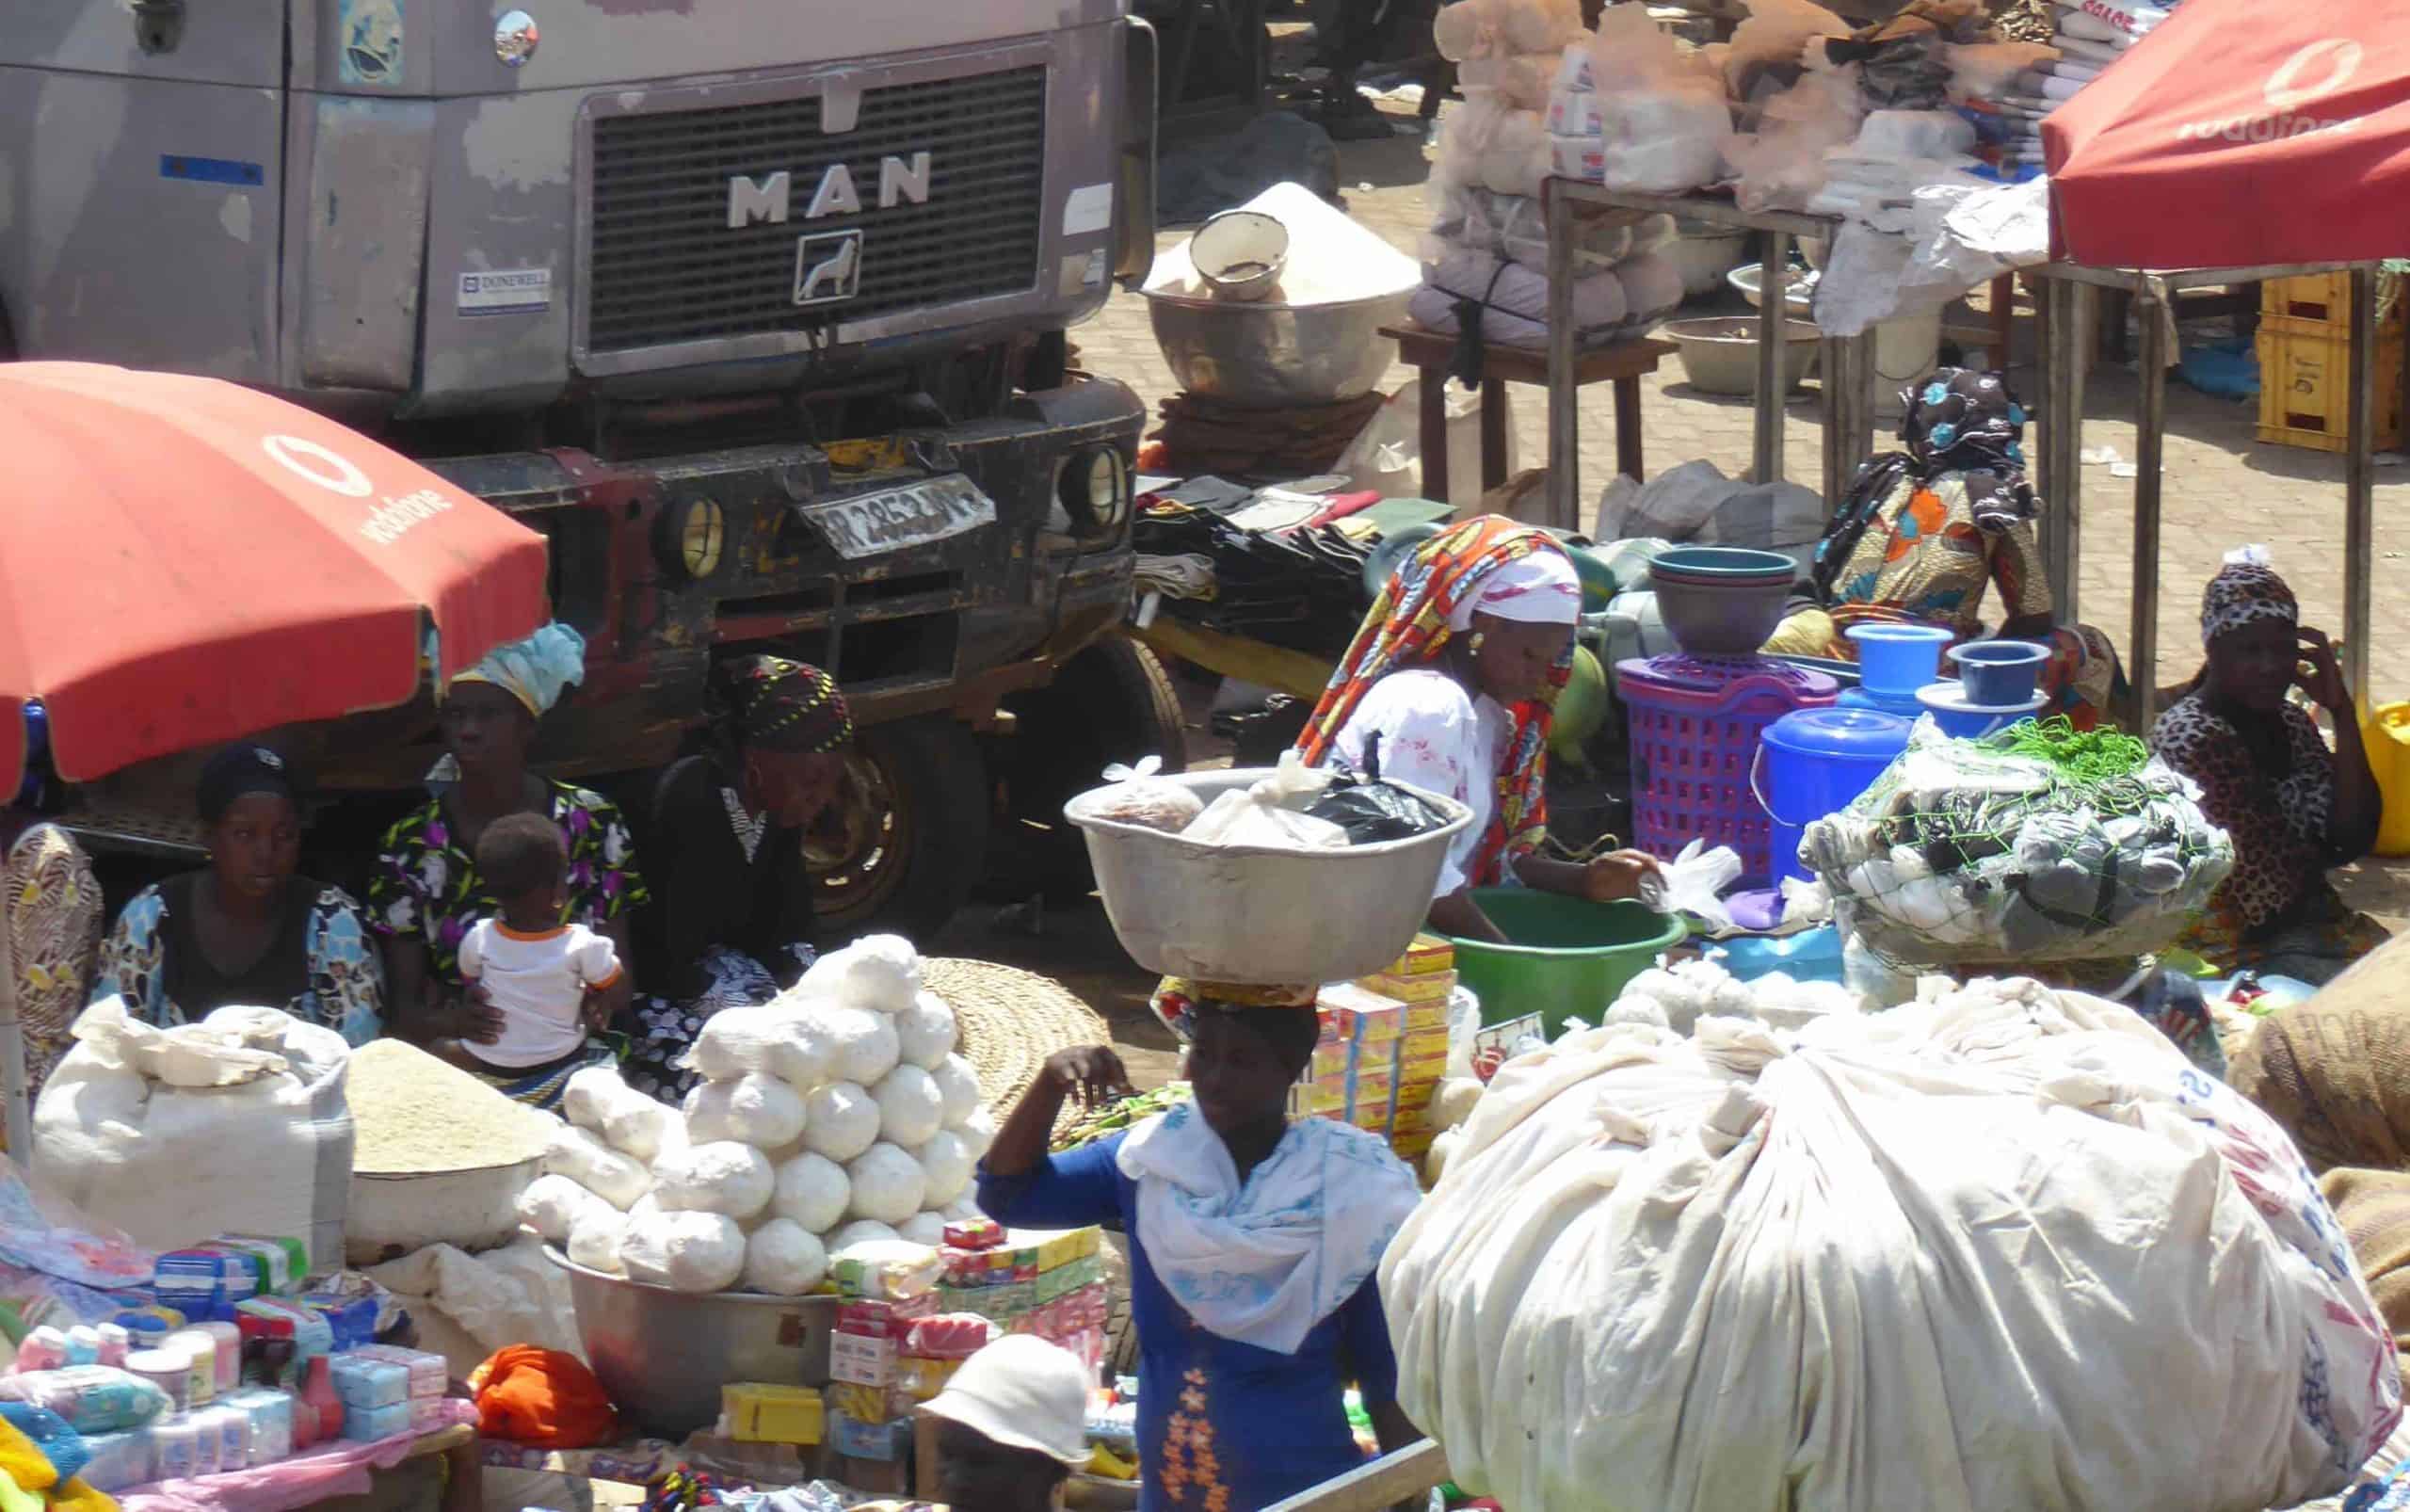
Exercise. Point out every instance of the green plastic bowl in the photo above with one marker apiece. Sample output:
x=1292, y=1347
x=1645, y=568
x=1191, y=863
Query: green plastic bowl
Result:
x=1570, y=958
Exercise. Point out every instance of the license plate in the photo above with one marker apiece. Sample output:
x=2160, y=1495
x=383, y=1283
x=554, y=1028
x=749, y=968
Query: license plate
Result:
x=911, y=515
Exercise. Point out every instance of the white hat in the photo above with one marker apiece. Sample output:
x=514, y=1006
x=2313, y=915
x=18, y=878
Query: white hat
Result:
x=1539, y=589
x=1024, y=1393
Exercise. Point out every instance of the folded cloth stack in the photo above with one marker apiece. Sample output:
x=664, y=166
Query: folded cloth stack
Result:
x=1512, y=299
x=1515, y=227
x=2008, y=112
x=1904, y=62
x=1202, y=434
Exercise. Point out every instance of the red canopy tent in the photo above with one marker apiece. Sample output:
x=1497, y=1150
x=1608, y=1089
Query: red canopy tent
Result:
x=2238, y=133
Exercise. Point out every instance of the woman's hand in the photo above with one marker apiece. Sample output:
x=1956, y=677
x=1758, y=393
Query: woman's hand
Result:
x=2320, y=676
x=1617, y=875
x=1092, y=1073
x=473, y=1017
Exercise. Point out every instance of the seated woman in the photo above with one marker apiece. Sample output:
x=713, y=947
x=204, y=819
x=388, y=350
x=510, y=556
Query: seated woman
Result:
x=428, y=892
x=1924, y=532
x=1252, y=1247
x=53, y=912
x=1450, y=687
x=730, y=921
x=2295, y=808
x=249, y=930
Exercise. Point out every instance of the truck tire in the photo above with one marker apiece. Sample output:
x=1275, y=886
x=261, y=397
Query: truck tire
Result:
x=910, y=835
x=1112, y=702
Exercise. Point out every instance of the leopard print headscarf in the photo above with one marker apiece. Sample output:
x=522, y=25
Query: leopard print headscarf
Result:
x=2245, y=591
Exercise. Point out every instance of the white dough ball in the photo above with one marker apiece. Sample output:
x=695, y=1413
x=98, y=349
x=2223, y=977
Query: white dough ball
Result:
x=595, y=1166
x=887, y=1183
x=909, y=1107
x=946, y=1163
x=723, y=1177
x=922, y=1229
x=866, y=1044
x=757, y=1110
x=977, y=1131
x=594, y=1240
x=804, y=1054
x=814, y=1192
x=958, y=1087
x=552, y=1205
x=733, y=1042
x=860, y=1232
x=686, y=1251
x=785, y=1258
x=963, y=1209
x=841, y=1121
x=879, y=972
x=924, y=1032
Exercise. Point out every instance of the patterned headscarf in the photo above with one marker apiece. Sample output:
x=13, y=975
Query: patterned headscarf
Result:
x=536, y=670
x=1959, y=421
x=2245, y=591
x=1178, y=1001
x=1408, y=626
x=782, y=705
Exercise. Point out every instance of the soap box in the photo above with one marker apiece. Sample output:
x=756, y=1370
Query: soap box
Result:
x=861, y=1360
x=363, y=1384
x=368, y=1424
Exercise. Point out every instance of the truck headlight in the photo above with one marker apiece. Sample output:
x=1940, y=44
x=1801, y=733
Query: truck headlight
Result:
x=1094, y=489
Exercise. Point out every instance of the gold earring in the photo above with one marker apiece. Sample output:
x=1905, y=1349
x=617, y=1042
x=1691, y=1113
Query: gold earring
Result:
x=1477, y=640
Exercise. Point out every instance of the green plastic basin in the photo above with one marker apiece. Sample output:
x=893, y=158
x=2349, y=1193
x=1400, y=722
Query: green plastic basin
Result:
x=1570, y=958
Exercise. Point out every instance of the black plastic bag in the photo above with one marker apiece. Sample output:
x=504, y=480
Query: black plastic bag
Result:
x=1371, y=811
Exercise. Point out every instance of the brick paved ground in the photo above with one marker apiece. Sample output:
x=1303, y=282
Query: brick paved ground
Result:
x=2221, y=487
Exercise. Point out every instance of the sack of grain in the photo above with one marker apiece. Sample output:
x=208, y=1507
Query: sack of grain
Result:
x=441, y=1157
x=174, y=1161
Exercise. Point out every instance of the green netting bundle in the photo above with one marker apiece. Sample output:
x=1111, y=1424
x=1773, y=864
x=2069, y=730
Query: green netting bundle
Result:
x=2038, y=843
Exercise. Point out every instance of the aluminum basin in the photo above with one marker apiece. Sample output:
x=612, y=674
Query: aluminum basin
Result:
x=1268, y=355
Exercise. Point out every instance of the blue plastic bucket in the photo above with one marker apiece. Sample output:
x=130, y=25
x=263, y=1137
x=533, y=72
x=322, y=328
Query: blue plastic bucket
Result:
x=1961, y=718
x=1999, y=673
x=1897, y=659
x=1815, y=761
x=1873, y=701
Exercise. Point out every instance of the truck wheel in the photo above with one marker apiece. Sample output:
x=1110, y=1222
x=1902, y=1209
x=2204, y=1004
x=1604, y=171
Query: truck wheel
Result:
x=1112, y=702
x=911, y=835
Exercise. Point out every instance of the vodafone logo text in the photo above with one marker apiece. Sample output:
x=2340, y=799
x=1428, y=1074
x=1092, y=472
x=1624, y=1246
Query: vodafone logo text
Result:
x=337, y=474
x=2313, y=72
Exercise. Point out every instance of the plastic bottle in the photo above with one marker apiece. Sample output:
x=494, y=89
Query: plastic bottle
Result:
x=44, y=1348
x=174, y=1443
x=116, y=1343
x=82, y=1345
x=319, y=1403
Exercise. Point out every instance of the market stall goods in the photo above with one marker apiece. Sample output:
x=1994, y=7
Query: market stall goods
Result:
x=1644, y=1219
x=2038, y=843
x=780, y=1162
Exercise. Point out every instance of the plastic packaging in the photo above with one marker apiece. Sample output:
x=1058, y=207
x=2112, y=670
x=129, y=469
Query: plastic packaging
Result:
x=233, y=1426
x=82, y=1345
x=270, y=1414
x=1137, y=795
x=118, y=1460
x=319, y=1404
x=168, y=1369
x=1662, y=116
x=1269, y=813
x=369, y=1382
x=175, y=1445
x=91, y=1399
x=368, y=1424
x=1371, y=811
x=200, y=1349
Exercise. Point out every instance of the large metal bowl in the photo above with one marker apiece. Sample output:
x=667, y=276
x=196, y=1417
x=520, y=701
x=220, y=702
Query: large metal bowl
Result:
x=1258, y=915
x=662, y=1356
x=1268, y=355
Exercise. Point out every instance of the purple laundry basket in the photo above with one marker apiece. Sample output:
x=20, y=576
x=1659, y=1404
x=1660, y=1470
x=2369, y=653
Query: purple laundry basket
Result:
x=1696, y=725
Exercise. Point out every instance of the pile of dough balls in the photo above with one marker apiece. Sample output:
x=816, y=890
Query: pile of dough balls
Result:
x=837, y=1115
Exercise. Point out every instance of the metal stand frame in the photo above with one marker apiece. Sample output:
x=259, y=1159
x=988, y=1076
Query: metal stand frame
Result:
x=1848, y=363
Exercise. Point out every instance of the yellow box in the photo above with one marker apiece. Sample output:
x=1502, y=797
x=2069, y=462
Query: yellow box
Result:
x=863, y=1404
x=761, y=1413
x=1411, y=1146
x=1420, y=1044
x=1414, y=990
x=1329, y=1060
x=923, y=1380
x=1426, y=1017
x=1416, y=1095
x=1311, y=1098
x=1429, y=953
x=2305, y=389
x=1058, y=1249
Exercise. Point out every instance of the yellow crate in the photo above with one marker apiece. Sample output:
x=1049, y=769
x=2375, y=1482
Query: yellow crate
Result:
x=2324, y=297
x=2305, y=388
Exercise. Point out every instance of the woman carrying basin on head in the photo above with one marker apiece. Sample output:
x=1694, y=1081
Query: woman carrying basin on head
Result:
x=1450, y=687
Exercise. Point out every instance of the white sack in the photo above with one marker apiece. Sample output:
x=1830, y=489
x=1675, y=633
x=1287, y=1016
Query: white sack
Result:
x=1865, y=1301
x=237, y=1124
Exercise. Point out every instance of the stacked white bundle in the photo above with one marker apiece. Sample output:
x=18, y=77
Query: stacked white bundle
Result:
x=837, y=1114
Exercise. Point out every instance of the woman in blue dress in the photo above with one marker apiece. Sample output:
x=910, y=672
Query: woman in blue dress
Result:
x=1253, y=1243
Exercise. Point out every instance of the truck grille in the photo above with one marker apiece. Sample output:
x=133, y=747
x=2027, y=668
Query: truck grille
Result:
x=665, y=266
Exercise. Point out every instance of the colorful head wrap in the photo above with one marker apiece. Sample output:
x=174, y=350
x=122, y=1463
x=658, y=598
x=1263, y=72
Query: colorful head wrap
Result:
x=238, y=770
x=2245, y=591
x=1539, y=590
x=536, y=670
x=1961, y=421
x=1421, y=607
x=782, y=705
x=1178, y=1001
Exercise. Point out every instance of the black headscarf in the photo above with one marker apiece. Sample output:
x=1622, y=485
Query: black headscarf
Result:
x=783, y=705
x=1957, y=420
x=238, y=770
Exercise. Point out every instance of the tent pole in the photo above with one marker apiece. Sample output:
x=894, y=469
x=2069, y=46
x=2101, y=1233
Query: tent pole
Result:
x=2360, y=483
x=2063, y=361
x=2151, y=433
x=1563, y=495
x=1773, y=356
x=18, y=1108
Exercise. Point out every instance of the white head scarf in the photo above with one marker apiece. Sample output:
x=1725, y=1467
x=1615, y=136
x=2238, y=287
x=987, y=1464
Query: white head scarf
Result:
x=1540, y=588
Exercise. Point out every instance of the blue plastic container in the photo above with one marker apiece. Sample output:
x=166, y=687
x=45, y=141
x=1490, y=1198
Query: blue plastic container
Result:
x=1905, y=705
x=1814, y=763
x=2000, y=673
x=1897, y=659
x=1961, y=718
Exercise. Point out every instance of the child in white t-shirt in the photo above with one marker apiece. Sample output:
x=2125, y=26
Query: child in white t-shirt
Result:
x=553, y=982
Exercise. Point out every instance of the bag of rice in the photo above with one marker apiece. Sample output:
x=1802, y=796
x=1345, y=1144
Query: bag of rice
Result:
x=553, y=1204
x=596, y=1099
x=594, y=1239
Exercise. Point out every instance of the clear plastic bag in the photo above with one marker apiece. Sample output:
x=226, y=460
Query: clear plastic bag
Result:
x=1662, y=116
x=1271, y=812
x=1135, y=795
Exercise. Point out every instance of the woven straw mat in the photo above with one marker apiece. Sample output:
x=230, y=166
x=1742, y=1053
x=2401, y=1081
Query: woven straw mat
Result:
x=1008, y=1022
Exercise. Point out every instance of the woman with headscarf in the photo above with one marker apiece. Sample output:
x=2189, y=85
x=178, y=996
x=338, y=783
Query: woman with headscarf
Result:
x=1253, y=1242
x=247, y=930
x=2295, y=808
x=427, y=893
x=53, y=908
x=1923, y=532
x=730, y=921
x=1449, y=686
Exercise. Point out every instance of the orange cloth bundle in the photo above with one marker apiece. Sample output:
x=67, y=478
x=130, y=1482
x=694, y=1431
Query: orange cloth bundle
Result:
x=537, y=1396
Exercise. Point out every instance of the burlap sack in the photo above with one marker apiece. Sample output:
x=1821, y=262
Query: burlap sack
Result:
x=2374, y=1209
x=2336, y=1070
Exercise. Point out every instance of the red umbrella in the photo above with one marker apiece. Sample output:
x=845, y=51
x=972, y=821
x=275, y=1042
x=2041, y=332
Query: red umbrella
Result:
x=184, y=561
x=2240, y=134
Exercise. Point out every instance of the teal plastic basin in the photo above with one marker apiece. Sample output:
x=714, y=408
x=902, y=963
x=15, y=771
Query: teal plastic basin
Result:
x=1570, y=956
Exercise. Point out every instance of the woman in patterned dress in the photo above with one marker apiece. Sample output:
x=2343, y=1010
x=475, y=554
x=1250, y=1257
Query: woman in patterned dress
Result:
x=426, y=892
x=1925, y=534
x=2295, y=808
x=247, y=930
x=730, y=923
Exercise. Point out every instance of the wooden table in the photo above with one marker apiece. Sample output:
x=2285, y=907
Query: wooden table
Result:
x=1622, y=363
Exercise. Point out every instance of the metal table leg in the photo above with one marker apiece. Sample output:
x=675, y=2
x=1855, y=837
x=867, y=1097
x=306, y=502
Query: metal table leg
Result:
x=1563, y=399
x=2359, y=484
x=1772, y=356
x=2142, y=659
